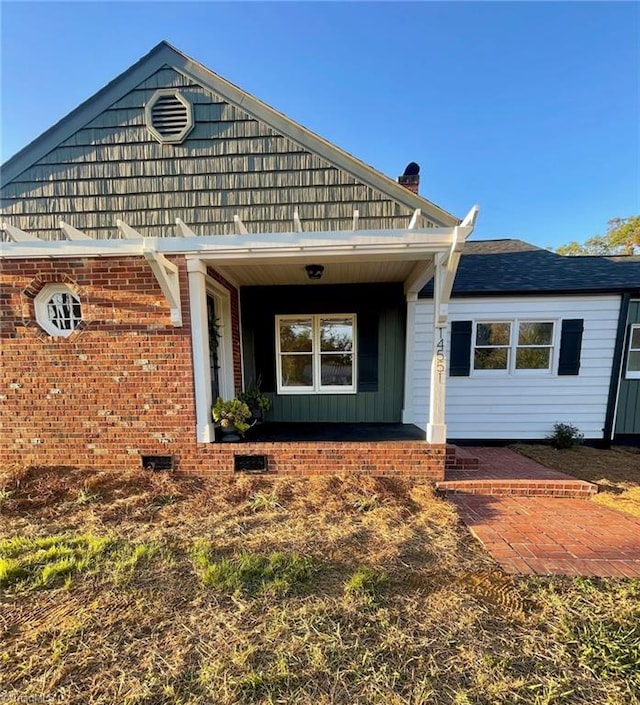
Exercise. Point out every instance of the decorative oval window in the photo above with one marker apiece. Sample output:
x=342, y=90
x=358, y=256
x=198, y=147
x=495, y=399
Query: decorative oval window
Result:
x=58, y=310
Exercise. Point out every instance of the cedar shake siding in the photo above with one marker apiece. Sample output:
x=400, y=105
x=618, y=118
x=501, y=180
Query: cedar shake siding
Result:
x=230, y=163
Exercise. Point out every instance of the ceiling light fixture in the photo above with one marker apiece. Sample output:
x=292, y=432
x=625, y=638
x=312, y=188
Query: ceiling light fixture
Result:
x=314, y=271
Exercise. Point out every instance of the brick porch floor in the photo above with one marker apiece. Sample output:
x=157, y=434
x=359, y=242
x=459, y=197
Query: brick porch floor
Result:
x=532, y=520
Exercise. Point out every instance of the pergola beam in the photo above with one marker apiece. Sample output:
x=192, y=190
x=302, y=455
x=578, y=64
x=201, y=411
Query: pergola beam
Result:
x=414, y=219
x=297, y=223
x=183, y=229
x=18, y=235
x=127, y=231
x=356, y=217
x=72, y=233
x=239, y=226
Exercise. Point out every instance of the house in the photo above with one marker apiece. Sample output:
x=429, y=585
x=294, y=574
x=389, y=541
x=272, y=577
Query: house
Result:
x=174, y=239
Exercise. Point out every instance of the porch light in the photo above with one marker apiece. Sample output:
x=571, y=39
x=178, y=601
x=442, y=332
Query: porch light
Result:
x=314, y=271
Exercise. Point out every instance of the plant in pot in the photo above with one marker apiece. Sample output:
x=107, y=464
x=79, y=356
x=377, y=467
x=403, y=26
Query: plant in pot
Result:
x=231, y=417
x=258, y=403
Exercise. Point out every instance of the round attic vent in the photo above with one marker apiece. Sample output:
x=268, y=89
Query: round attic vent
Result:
x=169, y=116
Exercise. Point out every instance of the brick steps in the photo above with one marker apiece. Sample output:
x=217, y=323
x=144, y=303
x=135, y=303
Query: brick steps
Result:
x=501, y=472
x=520, y=488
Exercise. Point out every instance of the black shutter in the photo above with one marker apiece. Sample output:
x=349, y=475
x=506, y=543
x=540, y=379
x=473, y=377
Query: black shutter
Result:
x=570, y=346
x=264, y=350
x=460, y=363
x=368, y=351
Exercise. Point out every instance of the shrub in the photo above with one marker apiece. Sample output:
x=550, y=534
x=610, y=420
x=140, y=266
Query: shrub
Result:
x=565, y=435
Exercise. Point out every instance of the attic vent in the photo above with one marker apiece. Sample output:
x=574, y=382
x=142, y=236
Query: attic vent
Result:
x=169, y=116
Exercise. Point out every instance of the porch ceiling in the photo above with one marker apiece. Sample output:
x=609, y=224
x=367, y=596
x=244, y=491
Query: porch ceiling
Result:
x=354, y=272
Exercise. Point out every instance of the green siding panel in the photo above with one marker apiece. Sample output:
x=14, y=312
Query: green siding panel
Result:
x=260, y=305
x=628, y=411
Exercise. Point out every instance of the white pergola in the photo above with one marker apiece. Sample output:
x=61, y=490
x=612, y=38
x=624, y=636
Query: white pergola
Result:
x=413, y=256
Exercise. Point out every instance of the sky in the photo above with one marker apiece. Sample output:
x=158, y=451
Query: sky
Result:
x=530, y=110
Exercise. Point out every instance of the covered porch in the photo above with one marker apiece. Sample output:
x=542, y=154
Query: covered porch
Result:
x=291, y=288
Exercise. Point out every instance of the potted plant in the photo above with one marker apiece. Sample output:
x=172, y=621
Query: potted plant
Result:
x=258, y=403
x=231, y=416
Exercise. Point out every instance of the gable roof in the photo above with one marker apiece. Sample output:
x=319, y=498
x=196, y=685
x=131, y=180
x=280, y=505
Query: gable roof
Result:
x=165, y=55
x=494, y=267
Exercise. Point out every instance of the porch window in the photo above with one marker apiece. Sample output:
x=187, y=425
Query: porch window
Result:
x=633, y=358
x=513, y=346
x=316, y=354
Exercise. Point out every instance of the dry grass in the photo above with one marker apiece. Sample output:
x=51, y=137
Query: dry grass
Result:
x=321, y=591
x=615, y=471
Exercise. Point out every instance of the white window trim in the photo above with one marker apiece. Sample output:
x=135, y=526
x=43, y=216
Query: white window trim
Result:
x=317, y=388
x=513, y=346
x=631, y=374
x=41, y=302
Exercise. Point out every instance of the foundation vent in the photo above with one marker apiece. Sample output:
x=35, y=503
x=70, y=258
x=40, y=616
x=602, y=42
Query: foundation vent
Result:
x=250, y=463
x=158, y=463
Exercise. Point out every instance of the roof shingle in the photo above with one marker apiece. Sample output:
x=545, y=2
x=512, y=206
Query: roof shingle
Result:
x=490, y=267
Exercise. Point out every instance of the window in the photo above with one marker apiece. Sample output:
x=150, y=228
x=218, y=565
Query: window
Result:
x=513, y=346
x=316, y=354
x=58, y=310
x=633, y=358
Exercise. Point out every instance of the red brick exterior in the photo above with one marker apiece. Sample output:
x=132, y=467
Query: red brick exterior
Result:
x=122, y=385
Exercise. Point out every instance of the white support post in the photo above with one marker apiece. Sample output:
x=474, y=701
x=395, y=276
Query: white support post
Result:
x=196, y=272
x=166, y=274
x=436, y=428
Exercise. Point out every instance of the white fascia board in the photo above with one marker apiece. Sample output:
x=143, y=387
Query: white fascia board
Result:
x=407, y=244
x=70, y=248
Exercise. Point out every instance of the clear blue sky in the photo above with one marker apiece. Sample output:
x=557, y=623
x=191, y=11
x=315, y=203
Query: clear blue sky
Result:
x=531, y=110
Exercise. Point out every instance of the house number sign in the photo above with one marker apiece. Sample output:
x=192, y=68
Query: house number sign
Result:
x=441, y=360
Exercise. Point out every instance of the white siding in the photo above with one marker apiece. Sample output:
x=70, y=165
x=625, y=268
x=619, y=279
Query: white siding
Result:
x=521, y=406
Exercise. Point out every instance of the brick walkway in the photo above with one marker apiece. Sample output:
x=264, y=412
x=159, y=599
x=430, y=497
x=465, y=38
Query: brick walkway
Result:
x=544, y=535
x=501, y=471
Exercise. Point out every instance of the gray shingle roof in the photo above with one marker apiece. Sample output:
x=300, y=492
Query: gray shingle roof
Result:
x=517, y=267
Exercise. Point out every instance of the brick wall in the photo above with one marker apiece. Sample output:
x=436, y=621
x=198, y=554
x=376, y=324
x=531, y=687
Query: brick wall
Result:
x=122, y=385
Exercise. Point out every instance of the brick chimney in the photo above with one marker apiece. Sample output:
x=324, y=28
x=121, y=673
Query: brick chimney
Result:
x=411, y=177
